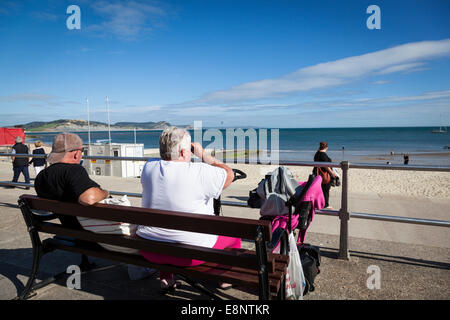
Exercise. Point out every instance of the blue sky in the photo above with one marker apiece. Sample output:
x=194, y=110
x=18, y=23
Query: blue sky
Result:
x=228, y=63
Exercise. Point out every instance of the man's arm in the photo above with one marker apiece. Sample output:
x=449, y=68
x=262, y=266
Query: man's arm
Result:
x=92, y=195
x=200, y=152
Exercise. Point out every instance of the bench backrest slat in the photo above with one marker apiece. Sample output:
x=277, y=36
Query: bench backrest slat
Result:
x=237, y=258
x=226, y=226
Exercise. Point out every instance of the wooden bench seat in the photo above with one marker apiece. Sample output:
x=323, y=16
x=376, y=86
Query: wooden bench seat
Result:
x=251, y=270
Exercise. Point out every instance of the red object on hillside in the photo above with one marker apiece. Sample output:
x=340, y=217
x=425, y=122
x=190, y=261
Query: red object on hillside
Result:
x=7, y=136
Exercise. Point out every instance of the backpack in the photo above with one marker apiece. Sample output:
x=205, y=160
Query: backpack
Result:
x=254, y=200
x=310, y=259
x=275, y=190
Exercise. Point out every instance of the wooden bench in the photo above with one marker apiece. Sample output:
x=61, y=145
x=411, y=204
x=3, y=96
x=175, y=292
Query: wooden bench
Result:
x=258, y=271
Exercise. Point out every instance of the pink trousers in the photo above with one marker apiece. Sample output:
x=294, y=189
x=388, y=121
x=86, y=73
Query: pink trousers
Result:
x=221, y=243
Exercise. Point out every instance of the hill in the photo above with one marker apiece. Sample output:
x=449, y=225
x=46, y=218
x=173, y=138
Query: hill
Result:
x=144, y=125
x=82, y=125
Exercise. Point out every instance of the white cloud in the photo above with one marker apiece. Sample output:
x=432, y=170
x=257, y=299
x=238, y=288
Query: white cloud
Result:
x=380, y=82
x=402, y=68
x=8, y=7
x=431, y=98
x=126, y=19
x=19, y=97
x=431, y=95
x=37, y=100
x=403, y=58
x=136, y=109
x=45, y=16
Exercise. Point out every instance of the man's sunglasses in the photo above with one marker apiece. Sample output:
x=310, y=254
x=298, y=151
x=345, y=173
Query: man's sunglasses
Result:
x=81, y=149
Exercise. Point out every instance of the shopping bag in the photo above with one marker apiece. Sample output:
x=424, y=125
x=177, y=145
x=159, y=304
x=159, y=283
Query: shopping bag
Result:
x=295, y=279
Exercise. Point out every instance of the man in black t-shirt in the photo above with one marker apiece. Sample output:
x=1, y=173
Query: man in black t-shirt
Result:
x=66, y=179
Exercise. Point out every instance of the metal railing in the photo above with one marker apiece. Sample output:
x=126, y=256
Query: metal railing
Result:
x=343, y=213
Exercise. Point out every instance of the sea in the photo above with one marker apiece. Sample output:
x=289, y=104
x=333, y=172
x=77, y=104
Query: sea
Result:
x=358, y=145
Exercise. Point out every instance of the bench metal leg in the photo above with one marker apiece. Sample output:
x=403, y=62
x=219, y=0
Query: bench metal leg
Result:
x=37, y=254
x=85, y=267
x=36, y=244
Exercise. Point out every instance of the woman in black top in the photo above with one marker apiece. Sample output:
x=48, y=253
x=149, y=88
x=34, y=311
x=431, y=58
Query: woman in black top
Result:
x=38, y=163
x=321, y=156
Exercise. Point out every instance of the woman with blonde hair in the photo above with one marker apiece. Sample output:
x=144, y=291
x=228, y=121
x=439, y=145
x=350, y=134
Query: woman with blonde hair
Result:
x=192, y=186
x=38, y=163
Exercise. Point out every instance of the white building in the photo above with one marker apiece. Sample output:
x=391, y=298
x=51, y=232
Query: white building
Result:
x=115, y=168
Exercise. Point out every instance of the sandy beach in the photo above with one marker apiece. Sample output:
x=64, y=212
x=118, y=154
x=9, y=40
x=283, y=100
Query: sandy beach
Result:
x=422, y=184
x=382, y=182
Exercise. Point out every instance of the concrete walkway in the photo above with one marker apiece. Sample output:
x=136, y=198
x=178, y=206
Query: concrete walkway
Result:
x=413, y=261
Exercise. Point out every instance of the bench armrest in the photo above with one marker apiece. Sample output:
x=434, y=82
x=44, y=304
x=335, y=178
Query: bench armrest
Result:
x=43, y=216
x=280, y=234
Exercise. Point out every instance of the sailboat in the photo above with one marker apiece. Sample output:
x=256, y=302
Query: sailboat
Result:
x=440, y=127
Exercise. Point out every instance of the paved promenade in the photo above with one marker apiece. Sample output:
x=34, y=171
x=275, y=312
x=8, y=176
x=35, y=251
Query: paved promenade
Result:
x=414, y=261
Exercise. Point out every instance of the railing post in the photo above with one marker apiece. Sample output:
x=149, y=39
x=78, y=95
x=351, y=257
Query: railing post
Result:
x=261, y=254
x=344, y=216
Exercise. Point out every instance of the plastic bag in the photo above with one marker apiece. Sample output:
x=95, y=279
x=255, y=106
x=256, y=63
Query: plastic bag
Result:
x=109, y=227
x=295, y=279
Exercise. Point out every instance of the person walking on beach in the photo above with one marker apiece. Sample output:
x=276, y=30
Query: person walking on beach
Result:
x=321, y=156
x=406, y=159
x=20, y=164
x=175, y=183
x=38, y=163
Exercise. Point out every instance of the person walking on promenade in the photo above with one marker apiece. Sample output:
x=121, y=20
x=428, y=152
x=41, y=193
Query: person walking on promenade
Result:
x=20, y=164
x=325, y=172
x=38, y=163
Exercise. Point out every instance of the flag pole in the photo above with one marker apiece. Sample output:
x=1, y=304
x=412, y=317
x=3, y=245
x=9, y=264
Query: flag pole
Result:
x=89, y=135
x=109, y=133
x=109, y=127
